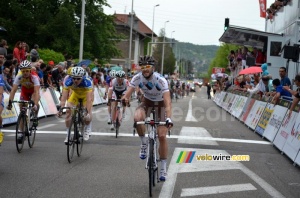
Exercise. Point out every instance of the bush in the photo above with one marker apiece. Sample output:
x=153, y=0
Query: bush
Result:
x=47, y=55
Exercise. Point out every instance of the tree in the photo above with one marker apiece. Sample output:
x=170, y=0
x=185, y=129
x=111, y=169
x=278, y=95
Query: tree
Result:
x=169, y=57
x=55, y=24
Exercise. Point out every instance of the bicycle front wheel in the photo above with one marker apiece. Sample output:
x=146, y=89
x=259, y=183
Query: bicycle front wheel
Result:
x=151, y=166
x=71, y=142
x=20, y=131
x=79, y=137
x=32, y=130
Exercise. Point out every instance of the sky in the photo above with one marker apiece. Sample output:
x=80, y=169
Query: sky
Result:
x=195, y=21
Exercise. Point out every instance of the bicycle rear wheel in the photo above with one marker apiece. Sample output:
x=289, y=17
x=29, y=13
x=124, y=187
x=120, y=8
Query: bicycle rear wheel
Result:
x=150, y=167
x=79, y=132
x=71, y=142
x=32, y=130
x=20, y=131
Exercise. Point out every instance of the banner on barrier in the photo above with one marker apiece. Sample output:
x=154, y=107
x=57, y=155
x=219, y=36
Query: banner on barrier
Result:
x=255, y=114
x=285, y=129
x=48, y=102
x=248, y=106
x=292, y=144
x=240, y=106
x=276, y=120
x=264, y=118
x=8, y=116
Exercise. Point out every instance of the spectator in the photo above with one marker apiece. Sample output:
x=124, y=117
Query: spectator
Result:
x=258, y=55
x=280, y=92
x=285, y=81
x=34, y=52
x=6, y=76
x=57, y=77
x=208, y=90
x=295, y=93
x=3, y=47
x=227, y=84
x=17, y=51
x=24, y=51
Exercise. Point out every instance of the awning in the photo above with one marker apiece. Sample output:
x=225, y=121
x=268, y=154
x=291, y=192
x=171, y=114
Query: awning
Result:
x=246, y=37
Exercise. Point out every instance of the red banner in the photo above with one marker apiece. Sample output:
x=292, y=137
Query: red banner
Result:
x=262, y=8
x=216, y=70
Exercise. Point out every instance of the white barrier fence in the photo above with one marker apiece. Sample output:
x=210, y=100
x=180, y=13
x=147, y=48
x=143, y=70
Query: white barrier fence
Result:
x=48, y=102
x=268, y=120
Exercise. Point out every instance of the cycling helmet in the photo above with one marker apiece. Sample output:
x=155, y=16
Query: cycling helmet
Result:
x=112, y=73
x=77, y=71
x=146, y=60
x=69, y=71
x=25, y=64
x=120, y=74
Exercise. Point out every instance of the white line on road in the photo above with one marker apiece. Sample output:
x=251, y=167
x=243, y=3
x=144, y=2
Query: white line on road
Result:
x=203, y=166
x=46, y=126
x=209, y=190
x=195, y=132
x=189, y=116
x=171, y=137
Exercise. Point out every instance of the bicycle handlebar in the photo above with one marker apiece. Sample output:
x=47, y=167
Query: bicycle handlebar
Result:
x=23, y=101
x=119, y=100
x=151, y=122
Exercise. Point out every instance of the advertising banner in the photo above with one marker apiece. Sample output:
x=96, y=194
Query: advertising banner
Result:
x=264, y=118
x=229, y=101
x=8, y=117
x=276, y=119
x=247, y=108
x=286, y=128
x=255, y=113
x=234, y=103
x=240, y=106
x=292, y=144
x=97, y=99
x=47, y=102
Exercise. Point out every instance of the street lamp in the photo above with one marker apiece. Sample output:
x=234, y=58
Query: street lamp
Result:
x=82, y=30
x=153, y=26
x=172, y=34
x=130, y=38
x=163, y=50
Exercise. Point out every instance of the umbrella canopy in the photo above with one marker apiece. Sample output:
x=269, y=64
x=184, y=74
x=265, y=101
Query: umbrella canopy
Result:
x=116, y=68
x=251, y=70
x=84, y=62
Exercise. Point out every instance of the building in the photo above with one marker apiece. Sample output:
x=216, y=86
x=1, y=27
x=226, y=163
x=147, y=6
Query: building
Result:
x=141, y=35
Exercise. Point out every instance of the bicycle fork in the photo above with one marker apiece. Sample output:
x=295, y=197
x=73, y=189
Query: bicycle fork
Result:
x=155, y=166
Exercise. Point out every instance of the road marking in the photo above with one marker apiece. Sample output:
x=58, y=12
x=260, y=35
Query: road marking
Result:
x=171, y=137
x=195, y=132
x=202, y=166
x=209, y=190
x=189, y=116
x=46, y=126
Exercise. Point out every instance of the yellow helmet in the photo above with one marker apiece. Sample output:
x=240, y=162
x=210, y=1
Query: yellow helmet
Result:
x=69, y=71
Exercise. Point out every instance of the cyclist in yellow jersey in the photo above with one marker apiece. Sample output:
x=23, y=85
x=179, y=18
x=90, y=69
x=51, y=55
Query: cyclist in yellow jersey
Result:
x=82, y=88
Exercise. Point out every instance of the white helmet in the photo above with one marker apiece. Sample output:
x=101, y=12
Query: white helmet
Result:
x=112, y=73
x=77, y=71
x=120, y=74
x=25, y=65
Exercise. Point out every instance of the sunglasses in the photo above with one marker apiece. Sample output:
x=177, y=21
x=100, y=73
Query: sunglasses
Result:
x=26, y=70
x=76, y=78
x=146, y=67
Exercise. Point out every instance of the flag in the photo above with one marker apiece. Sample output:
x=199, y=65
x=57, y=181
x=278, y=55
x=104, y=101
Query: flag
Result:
x=262, y=8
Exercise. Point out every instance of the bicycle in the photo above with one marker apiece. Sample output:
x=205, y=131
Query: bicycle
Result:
x=117, y=120
x=76, y=130
x=27, y=123
x=152, y=159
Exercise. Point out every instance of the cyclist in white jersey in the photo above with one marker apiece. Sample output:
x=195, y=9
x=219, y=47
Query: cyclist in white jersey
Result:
x=117, y=88
x=157, y=96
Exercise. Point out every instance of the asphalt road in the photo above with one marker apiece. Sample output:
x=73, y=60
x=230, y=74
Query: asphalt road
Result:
x=111, y=167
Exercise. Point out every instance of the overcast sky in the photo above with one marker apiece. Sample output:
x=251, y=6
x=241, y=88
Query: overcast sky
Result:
x=194, y=21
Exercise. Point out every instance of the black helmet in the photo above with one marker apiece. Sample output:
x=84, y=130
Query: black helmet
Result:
x=146, y=60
